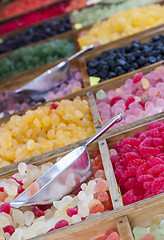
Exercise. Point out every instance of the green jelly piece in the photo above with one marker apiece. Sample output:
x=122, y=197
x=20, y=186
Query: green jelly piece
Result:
x=139, y=232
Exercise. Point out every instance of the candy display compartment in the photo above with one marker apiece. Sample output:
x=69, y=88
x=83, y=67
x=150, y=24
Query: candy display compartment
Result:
x=12, y=102
x=35, y=33
x=36, y=55
x=92, y=198
x=121, y=25
x=103, y=10
x=18, y=7
x=123, y=56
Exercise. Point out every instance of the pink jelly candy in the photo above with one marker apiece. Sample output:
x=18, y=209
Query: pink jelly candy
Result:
x=61, y=224
x=10, y=229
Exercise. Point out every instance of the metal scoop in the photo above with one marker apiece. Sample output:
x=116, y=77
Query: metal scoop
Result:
x=65, y=175
x=51, y=78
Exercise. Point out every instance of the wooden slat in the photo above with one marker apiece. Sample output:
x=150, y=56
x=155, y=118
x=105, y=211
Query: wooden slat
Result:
x=124, y=228
x=94, y=224
x=94, y=110
x=109, y=172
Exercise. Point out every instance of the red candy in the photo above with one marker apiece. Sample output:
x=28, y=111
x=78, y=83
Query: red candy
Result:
x=10, y=229
x=5, y=208
x=38, y=212
x=34, y=17
x=97, y=208
x=53, y=106
x=129, y=101
x=61, y=224
x=114, y=100
x=139, y=164
x=137, y=77
x=72, y=211
x=21, y=6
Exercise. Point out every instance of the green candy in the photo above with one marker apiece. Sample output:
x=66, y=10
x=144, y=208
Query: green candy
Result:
x=31, y=57
x=105, y=9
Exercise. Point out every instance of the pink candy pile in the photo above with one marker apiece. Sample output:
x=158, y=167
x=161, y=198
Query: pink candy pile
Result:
x=139, y=164
x=138, y=98
x=10, y=102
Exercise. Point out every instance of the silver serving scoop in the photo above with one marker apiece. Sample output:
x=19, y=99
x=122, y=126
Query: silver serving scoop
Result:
x=51, y=78
x=65, y=175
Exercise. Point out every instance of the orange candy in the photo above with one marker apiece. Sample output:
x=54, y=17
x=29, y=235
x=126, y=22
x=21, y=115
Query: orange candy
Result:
x=97, y=208
x=101, y=186
x=3, y=196
x=33, y=189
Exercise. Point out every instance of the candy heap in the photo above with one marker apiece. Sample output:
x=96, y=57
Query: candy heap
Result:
x=154, y=232
x=10, y=102
x=138, y=98
x=139, y=164
x=36, y=33
x=115, y=62
x=39, y=16
x=91, y=198
x=31, y=57
x=101, y=11
x=122, y=24
x=44, y=129
x=34, y=17
x=20, y=6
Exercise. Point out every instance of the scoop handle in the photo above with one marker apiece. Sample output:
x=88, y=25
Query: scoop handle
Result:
x=117, y=118
x=80, y=53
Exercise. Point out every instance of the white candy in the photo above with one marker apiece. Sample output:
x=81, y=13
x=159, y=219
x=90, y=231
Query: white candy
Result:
x=17, y=235
x=11, y=187
x=76, y=219
x=48, y=214
x=28, y=217
x=7, y=236
x=82, y=196
x=22, y=168
x=5, y=219
x=112, y=152
x=65, y=201
x=74, y=202
x=18, y=217
x=44, y=168
x=90, y=188
x=84, y=186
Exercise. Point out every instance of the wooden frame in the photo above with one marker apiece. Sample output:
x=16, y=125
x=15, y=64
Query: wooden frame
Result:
x=122, y=218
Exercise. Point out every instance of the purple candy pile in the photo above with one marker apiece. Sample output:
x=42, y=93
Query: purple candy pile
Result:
x=138, y=98
x=11, y=102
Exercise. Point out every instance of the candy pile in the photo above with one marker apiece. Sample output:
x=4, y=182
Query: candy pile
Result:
x=31, y=57
x=109, y=235
x=90, y=198
x=44, y=129
x=154, y=232
x=42, y=15
x=104, y=10
x=139, y=164
x=138, y=98
x=10, y=102
x=122, y=24
x=115, y=62
x=34, y=17
x=21, y=6
x=36, y=33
